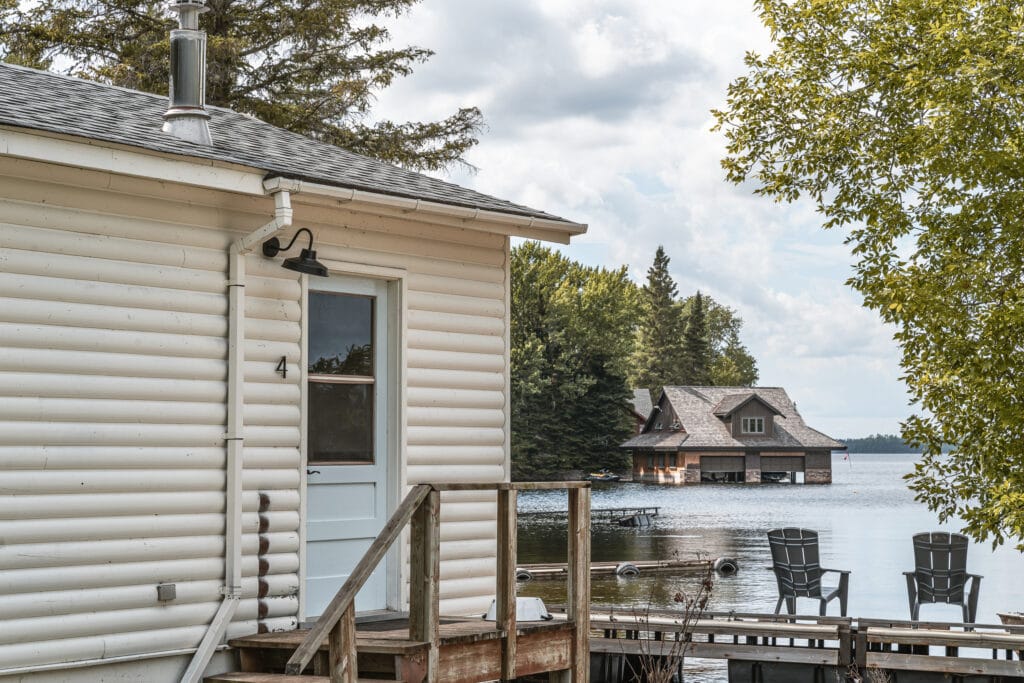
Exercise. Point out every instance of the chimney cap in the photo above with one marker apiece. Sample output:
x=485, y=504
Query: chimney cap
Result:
x=188, y=12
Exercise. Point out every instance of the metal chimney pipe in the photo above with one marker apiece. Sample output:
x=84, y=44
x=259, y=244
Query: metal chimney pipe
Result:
x=186, y=116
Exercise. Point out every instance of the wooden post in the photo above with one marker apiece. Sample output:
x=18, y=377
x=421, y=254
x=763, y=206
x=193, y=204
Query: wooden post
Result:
x=505, y=602
x=425, y=571
x=342, y=648
x=579, y=582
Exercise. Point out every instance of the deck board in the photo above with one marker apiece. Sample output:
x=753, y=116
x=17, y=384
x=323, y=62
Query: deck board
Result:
x=392, y=636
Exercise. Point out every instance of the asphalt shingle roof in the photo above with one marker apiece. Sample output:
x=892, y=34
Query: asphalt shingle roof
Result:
x=642, y=402
x=657, y=441
x=696, y=406
x=41, y=100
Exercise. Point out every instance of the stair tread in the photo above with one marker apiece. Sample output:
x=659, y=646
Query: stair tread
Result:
x=243, y=677
x=238, y=676
x=289, y=640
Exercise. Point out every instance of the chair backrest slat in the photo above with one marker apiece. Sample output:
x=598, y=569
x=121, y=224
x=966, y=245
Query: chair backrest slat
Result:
x=796, y=562
x=940, y=560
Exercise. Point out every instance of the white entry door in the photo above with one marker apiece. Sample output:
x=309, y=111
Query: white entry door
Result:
x=347, y=441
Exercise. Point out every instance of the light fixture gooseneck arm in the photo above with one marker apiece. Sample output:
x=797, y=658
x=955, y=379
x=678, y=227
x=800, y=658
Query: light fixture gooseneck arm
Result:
x=295, y=237
x=305, y=262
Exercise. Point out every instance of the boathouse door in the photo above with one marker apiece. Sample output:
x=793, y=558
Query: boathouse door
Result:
x=348, y=469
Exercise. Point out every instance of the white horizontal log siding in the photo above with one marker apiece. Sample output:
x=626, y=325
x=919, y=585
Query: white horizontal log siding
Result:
x=273, y=433
x=113, y=323
x=113, y=348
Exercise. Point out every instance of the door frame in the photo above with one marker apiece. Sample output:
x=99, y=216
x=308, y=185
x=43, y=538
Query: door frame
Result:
x=395, y=280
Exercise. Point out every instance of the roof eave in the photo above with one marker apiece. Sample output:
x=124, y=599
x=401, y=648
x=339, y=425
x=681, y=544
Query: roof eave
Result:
x=504, y=223
x=129, y=160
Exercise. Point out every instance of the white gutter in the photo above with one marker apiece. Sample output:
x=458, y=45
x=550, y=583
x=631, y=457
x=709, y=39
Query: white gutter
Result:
x=234, y=436
x=515, y=223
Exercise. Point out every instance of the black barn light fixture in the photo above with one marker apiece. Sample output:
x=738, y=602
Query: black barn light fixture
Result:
x=305, y=262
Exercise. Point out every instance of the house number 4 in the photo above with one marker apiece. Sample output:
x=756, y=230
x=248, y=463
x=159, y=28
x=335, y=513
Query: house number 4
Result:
x=282, y=367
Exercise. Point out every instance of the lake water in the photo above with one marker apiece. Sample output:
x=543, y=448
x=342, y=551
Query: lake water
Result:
x=865, y=520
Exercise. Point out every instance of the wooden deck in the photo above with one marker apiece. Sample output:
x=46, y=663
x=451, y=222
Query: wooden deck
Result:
x=469, y=651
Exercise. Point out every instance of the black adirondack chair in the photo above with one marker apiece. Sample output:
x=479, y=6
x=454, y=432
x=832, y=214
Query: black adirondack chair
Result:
x=798, y=570
x=940, y=574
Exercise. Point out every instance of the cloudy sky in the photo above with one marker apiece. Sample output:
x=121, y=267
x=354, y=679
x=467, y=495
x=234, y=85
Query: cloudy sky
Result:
x=598, y=111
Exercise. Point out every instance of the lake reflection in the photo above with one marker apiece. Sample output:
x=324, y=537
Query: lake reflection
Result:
x=865, y=520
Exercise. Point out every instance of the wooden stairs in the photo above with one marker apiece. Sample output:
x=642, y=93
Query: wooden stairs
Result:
x=469, y=651
x=425, y=647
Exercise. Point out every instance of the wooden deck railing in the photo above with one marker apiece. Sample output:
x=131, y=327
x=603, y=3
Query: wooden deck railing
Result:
x=422, y=509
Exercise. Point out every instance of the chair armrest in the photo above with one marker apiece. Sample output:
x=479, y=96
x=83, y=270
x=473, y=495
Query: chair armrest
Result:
x=837, y=571
x=909, y=573
x=972, y=597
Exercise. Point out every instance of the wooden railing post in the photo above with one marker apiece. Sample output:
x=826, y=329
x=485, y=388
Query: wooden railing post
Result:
x=341, y=645
x=579, y=582
x=424, y=579
x=505, y=602
x=343, y=601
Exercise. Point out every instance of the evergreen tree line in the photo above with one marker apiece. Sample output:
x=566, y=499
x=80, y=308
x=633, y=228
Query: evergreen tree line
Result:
x=879, y=443
x=884, y=443
x=582, y=338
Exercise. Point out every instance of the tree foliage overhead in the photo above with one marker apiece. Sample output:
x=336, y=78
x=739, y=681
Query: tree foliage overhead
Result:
x=571, y=336
x=309, y=67
x=902, y=121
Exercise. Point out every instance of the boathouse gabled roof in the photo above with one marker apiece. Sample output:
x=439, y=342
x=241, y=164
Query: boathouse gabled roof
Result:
x=642, y=404
x=44, y=101
x=704, y=430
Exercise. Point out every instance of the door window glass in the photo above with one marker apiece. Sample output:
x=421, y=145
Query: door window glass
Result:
x=341, y=378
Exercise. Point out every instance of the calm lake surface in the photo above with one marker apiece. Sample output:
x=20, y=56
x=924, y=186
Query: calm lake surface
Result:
x=865, y=521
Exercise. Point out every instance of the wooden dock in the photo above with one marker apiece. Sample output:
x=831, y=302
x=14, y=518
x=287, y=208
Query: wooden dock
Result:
x=763, y=647
x=559, y=570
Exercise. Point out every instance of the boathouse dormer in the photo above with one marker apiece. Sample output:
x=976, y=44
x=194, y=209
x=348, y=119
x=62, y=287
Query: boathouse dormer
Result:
x=662, y=418
x=747, y=415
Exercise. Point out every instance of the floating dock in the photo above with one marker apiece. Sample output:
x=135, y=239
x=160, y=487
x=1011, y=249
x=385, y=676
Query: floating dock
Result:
x=559, y=570
x=606, y=514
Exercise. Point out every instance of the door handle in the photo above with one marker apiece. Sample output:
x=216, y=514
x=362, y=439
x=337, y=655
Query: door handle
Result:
x=312, y=471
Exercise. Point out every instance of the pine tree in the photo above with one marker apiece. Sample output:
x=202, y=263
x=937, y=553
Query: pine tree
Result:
x=697, y=358
x=659, y=352
x=312, y=68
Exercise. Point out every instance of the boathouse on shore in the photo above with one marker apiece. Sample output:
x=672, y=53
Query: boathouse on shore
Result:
x=729, y=434
x=196, y=443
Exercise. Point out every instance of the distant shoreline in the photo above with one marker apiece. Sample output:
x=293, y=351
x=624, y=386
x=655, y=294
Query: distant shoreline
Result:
x=889, y=444
x=849, y=452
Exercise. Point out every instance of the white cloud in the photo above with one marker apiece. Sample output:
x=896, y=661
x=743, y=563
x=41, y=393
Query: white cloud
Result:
x=599, y=111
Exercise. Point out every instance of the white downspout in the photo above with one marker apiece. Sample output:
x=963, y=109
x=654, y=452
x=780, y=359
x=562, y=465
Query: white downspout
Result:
x=234, y=437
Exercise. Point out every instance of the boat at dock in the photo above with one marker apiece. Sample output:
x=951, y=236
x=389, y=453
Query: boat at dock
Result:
x=603, y=475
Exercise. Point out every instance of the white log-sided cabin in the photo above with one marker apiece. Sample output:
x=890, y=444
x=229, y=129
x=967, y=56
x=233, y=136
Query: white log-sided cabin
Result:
x=177, y=409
